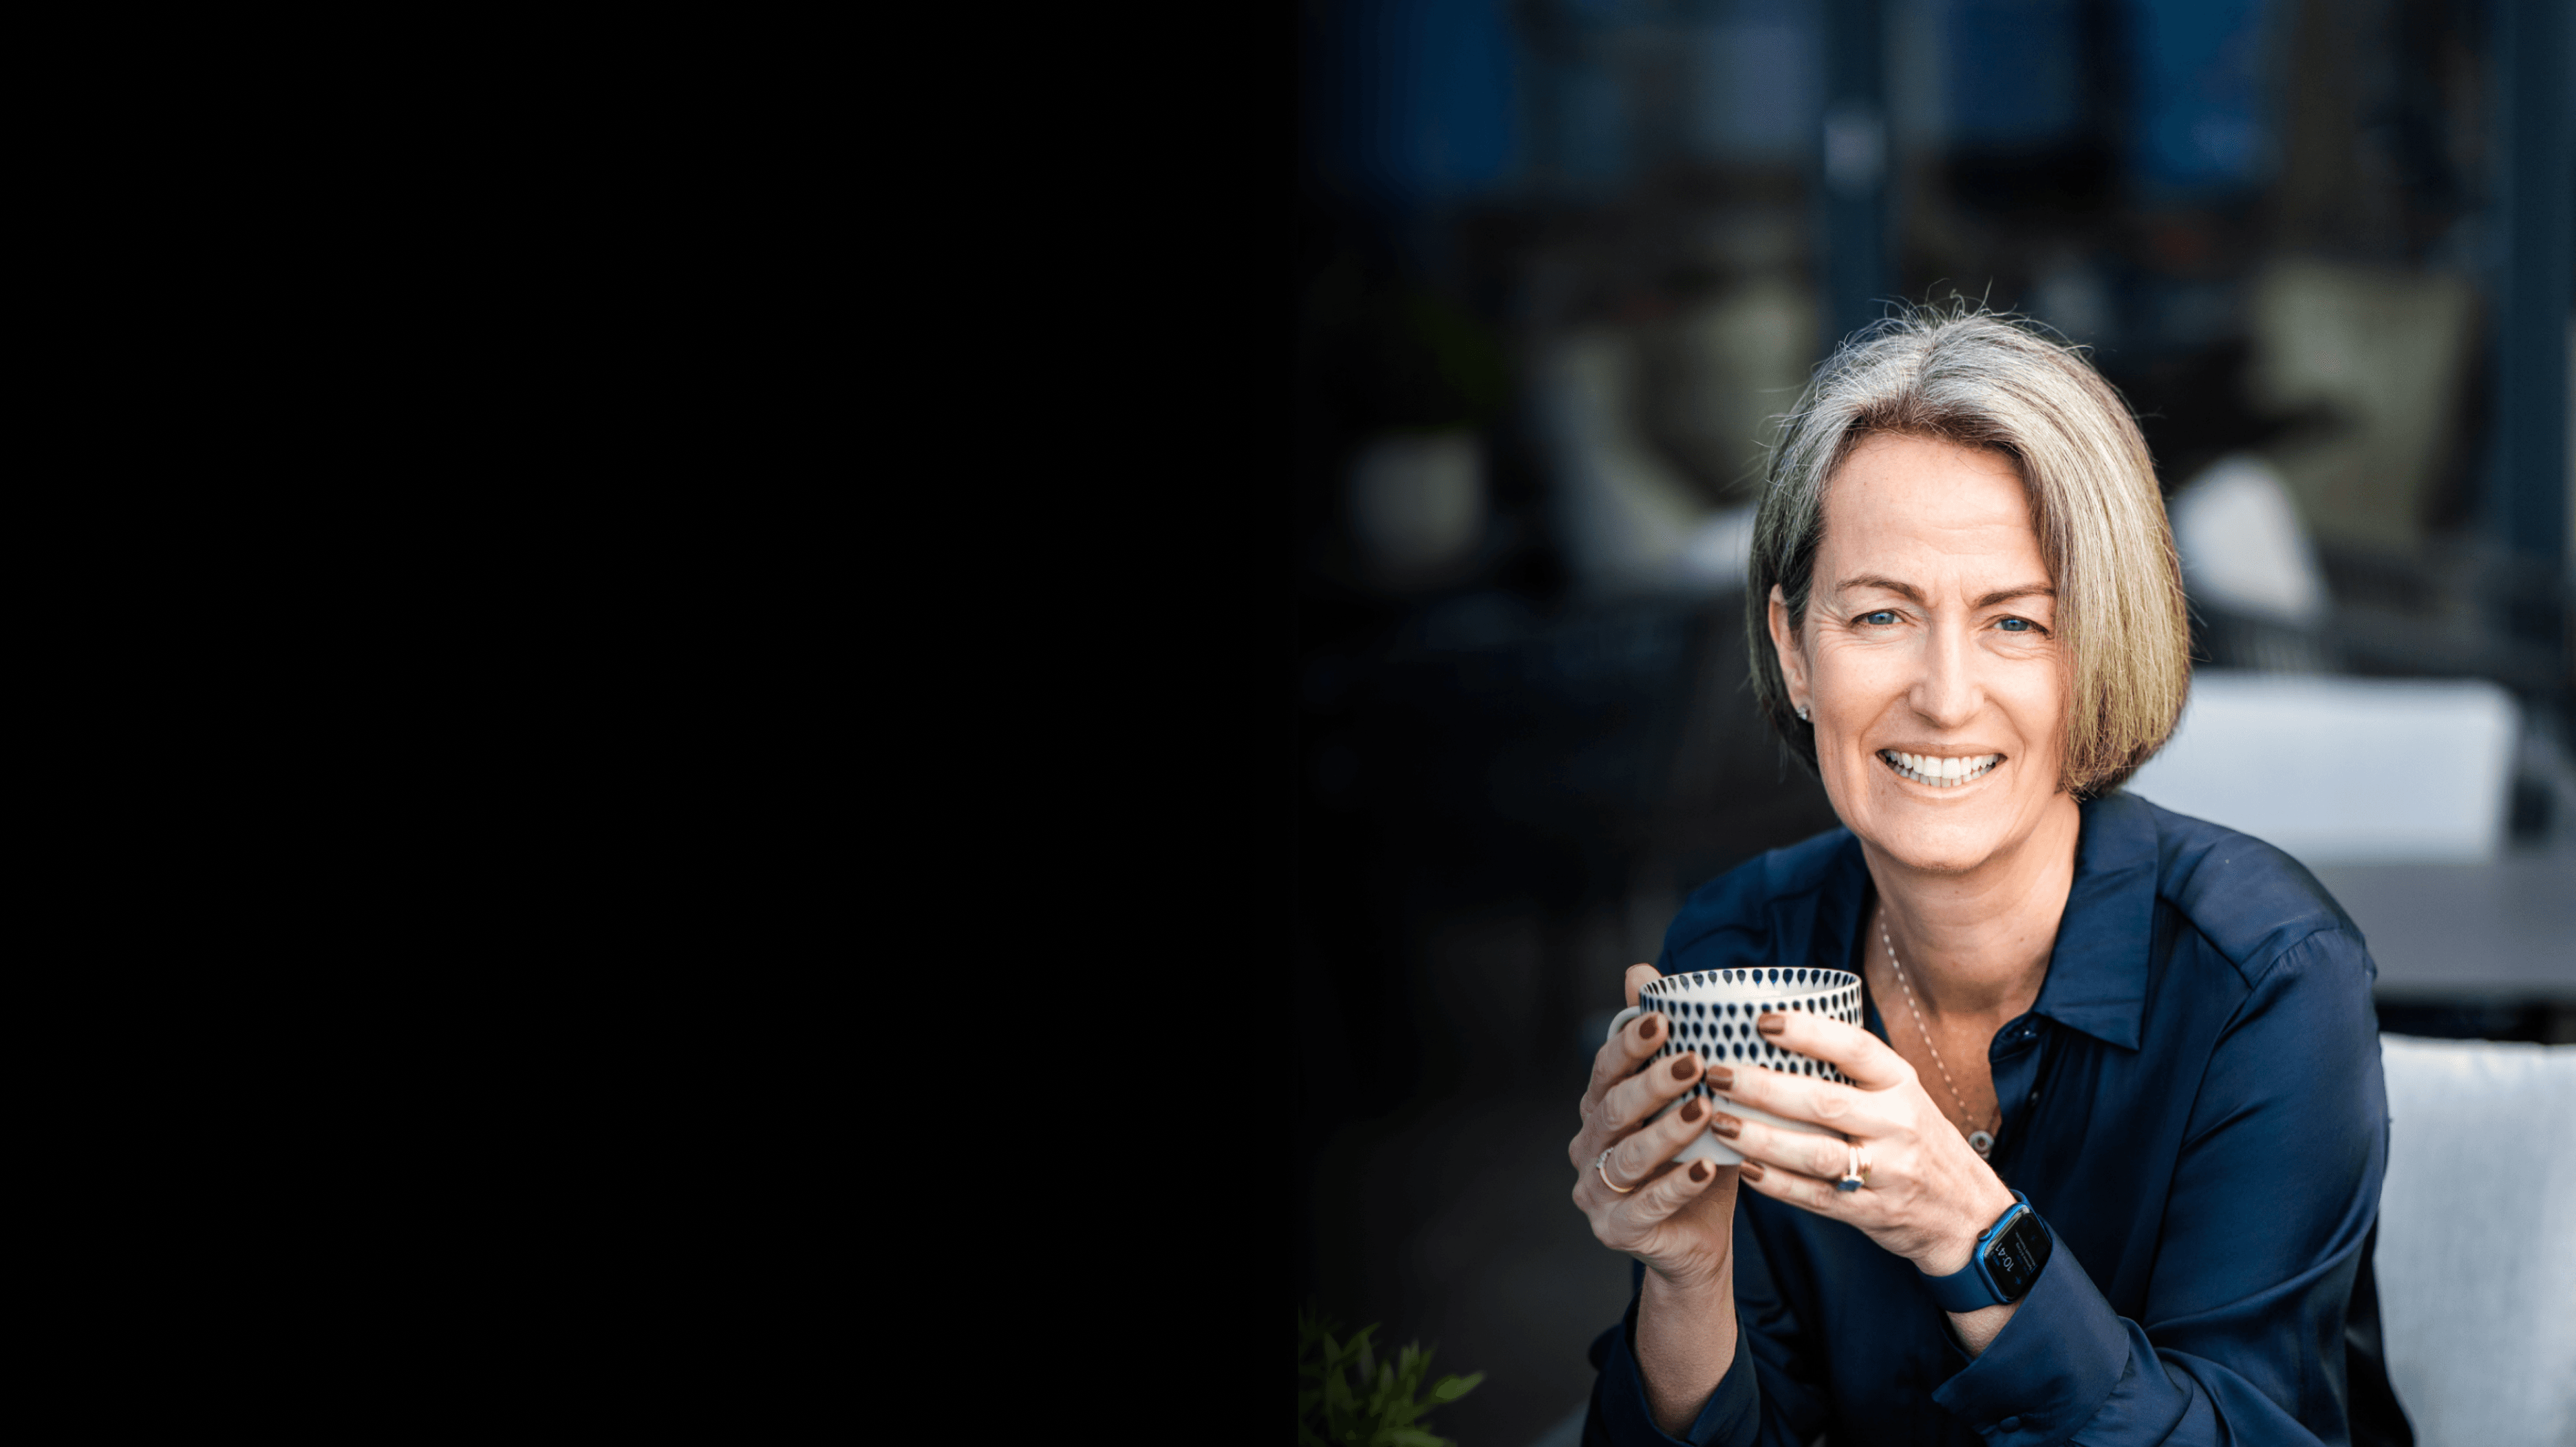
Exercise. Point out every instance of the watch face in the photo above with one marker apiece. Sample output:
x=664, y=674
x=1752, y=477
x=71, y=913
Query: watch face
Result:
x=2016, y=1256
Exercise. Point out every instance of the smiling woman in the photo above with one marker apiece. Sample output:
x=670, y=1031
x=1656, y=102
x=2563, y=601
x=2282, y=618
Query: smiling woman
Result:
x=2030, y=1212
x=2035, y=416
x=1930, y=650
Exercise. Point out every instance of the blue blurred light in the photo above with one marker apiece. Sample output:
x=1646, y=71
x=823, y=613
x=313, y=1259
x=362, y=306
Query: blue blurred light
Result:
x=1412, y=103
x=1759, y=83
x=2016, y=73
x=2197, y=117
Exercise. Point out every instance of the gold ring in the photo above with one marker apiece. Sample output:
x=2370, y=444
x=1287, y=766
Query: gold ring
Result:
x=1603, y=1166
x=1855, y=1168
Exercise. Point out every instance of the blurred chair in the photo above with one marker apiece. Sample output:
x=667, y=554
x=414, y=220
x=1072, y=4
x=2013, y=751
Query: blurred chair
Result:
x=1417, y=504
x=1631, y=522
x=2385, y=352
x=2338, y=770
x=2251, y=568
x=2477, y=1241
x=2243, y=546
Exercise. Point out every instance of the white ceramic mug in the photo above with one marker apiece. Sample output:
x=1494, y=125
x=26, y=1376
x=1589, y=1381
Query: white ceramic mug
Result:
x=1712, y=1012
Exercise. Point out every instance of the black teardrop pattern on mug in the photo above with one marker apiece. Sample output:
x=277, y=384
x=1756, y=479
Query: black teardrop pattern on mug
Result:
x=1695, y=1021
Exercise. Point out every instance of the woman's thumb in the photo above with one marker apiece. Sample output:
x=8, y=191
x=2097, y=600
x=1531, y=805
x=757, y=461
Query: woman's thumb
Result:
x=1640, y=976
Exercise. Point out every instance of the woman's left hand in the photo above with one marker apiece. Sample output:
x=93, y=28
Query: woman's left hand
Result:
x=1928, y=1195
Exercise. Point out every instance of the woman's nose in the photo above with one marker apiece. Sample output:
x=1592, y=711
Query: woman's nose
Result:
x=1946, y=694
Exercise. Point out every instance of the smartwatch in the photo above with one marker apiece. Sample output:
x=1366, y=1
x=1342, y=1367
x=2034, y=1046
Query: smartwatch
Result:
x=2007, y=1260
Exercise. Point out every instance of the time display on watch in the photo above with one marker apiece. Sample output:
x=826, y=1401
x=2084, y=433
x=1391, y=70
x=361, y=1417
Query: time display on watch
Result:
x=2013, y=1258
x=2004, y=1265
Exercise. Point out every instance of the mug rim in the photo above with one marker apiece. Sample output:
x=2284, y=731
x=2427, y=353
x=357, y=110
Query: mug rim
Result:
x=1821, y=981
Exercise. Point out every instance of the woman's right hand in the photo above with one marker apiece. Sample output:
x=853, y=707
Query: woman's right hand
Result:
x=1677, y=1220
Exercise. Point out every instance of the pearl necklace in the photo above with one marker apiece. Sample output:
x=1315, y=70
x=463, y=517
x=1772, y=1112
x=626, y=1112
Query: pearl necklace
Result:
x=1980, y=1141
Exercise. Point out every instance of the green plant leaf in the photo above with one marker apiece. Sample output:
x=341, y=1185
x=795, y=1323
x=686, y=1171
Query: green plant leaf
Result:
x=1361, y=1399
x=1450, y=1389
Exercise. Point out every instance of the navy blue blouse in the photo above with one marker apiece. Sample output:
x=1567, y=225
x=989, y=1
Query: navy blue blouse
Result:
x=2194, y=1106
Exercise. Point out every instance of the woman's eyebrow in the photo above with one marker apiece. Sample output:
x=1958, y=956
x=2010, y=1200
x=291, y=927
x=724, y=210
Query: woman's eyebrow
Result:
x=1914, y=594
x=1873, y=580
x=2026, y=590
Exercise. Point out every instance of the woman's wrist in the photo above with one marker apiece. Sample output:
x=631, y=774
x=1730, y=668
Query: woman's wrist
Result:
x=1686, y=1332
x=1691, y=1281
x=1951, y=1250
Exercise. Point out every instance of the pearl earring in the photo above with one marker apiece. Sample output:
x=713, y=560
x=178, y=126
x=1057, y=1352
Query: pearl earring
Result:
x=1802, y=715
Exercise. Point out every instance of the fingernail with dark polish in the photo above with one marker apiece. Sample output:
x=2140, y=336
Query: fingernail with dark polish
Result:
x=1772, y=1024
x=1692, y=1110
x=1752, y=1170
x=1647, y=1026
x=1685, y=1067
x=1721, y=1077
x=1700, y=1172
x=1727, y=1125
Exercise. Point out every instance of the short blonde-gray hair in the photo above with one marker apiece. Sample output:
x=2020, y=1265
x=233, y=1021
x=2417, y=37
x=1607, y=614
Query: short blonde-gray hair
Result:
x=1972, y=378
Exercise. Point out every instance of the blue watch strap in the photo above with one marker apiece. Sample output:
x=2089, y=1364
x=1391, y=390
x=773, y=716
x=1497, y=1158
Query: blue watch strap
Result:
x=1970, y=1288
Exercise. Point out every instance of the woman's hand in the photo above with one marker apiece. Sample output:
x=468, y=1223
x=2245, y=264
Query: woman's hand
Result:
x=1679, y=1221
x=1928, y=1195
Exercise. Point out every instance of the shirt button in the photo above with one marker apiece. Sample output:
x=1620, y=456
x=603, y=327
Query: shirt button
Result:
x=2009, y=1424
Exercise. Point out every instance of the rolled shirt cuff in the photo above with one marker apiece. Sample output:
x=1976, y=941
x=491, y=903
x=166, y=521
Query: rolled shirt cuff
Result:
x=2051, y=1367
x=1731, y=1417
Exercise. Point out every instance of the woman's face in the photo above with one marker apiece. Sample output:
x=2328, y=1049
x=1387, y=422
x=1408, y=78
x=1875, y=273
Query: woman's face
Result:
x=1928, y=659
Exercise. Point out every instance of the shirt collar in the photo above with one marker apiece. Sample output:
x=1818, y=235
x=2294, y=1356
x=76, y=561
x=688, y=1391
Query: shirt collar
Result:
x=2097, y=974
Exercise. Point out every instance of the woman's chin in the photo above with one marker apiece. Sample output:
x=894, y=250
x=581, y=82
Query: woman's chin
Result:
x=1935, y=837
x=1946, y=848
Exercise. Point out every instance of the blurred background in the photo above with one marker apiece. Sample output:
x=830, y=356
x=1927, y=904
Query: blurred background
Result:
x=1559, y=262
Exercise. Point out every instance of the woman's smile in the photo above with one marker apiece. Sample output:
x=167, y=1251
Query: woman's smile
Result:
x=1939, y=770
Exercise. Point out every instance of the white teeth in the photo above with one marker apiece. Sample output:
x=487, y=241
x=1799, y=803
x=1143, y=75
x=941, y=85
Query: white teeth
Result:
x=1941, y=772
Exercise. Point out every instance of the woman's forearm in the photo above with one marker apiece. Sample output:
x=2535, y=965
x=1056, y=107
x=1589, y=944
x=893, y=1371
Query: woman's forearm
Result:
x=1685, y=1339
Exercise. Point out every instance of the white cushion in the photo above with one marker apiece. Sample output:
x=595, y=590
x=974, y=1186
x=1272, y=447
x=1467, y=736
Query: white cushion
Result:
x=2335, y=770
x=2477, y=1240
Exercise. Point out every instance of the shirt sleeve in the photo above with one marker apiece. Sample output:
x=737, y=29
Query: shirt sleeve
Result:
x=1620, y=1417
x=1771, y=1395
x=2272, y=1205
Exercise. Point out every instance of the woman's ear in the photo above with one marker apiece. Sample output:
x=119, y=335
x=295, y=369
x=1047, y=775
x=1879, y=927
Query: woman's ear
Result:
x=1793, y=655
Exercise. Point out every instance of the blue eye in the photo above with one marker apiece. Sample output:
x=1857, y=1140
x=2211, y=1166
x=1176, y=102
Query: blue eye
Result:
x=1882, y=617
x=2015, y=625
